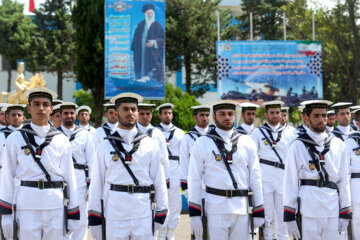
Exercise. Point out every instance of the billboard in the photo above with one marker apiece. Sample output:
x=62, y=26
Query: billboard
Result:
x=135, y=48
x=262, y=71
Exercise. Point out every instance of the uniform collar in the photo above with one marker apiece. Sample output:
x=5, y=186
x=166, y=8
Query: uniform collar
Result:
x=317, y=137
x=248, y=128
x=127, y=135
x=329, y=129
x=274, y=128
x=225, y=135
x=14, y=128
x=144, y=129
x=86, y=127
x=2, y=126
x=114, y=126
x=166, y=127
x=345, y=130
x=202, y=131
x=41, y=131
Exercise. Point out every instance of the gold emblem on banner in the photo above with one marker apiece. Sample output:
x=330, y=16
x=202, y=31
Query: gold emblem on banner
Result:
x=312, y=166
x=266, y=142
x=357, y=152
x=115, y=157
x=218, y=157
x=27, y=151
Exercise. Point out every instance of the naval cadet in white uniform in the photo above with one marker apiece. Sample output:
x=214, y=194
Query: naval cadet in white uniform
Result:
x=226, y=162
x=2, y=116
x=342, y=115
x=83, y=114
x=317, y=173
x=353, y=150
x=145, y=126
x=201, y=118
x=129, y=177
x=39, y=156
x=107, y=128
x=14, y=117
x=248, y=111
x=173, y=135
x=83, y=154
x=271, y=140
x=284, y=117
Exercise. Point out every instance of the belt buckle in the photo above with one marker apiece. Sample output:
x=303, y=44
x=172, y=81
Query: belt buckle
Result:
x=41, y=184
x=229, y=195
x=130, y=189
x=320, y=183
x=277, y=164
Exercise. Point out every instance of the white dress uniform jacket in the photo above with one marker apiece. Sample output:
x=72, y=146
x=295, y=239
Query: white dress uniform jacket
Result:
x=245, y=129
x=118, y=206
x=4, y=133
x=174, y=196
x=317, y=202
x=88, y=127
x=186, y=144
x=342, y=132
x=353, y=151
x=159, y=137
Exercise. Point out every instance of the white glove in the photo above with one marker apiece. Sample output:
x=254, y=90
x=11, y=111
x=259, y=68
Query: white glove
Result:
x=7, y=224
x=96, y=232
x=186, y=193
x=157, y=226
x=196, y=226
x=293, y=230
x=258, y=222
x=343, y=224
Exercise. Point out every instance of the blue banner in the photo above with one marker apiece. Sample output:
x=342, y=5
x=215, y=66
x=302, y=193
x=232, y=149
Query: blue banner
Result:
x=135, y=48
x=262, y=71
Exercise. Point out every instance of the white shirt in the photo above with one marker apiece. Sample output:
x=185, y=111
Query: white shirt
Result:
x=247, y=128
x=317, y=202
x=84, y=153
x=146, y=166
x=88, y=127
x=345, y=131
x=3, y=140
x=57, y=160
x=329, y=129
x=2, y=126
x=186, y=144
x=203, y=168
x=159, y=137
x=352, y=149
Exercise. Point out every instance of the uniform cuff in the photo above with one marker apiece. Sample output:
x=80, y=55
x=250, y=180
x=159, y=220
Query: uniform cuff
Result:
x=346, y=213
x=184, y=185
x=289, y=214
x=258, y=212
x=5, y=207
x=73, y=213
x=160, y=216
x=194, y=209
x=94, y=218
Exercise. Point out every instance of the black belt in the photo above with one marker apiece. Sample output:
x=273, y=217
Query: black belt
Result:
x=80, y=166
x=175, y=158
x=130, y=188
x=355, y=175
x=271, y=163
x=41, y=184
x=318, y=183
x=227, y=193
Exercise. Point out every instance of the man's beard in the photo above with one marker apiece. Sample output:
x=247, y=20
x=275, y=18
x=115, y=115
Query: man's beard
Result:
x=223, y=127
x=127, y=124
x=69, y=123
x=273, y=121
x=166, y=121
x=318, y=129
x=149, y=20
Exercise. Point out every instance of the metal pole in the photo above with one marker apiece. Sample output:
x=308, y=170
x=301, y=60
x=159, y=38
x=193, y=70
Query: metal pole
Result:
x=251, y=27
x=218, y=24
x=313, y=26
x=284, y=17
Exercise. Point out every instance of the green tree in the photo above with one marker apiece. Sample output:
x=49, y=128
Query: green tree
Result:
x=15, y=34
x=183, y=114
x=88, y=17
x=191, y=35
x=85, y=98
x=54, y=41
x=267, y=19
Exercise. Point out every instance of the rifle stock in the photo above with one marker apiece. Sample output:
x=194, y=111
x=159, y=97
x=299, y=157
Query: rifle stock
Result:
x=16, y=227
x=250, y=212
x=103, y=222
x=298, y=217
x=204, y=220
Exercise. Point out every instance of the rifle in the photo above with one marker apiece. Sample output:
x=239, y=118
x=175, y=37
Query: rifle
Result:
x=66, y=203
x=298, y=217
x=204, y=220
x=349, y=231
x=152, y=202
x=16, y=227
x=103, y=222
x=261, y=233
x=250, y=212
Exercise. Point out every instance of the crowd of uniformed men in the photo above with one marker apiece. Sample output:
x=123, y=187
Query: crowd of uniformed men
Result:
x=123, y=179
